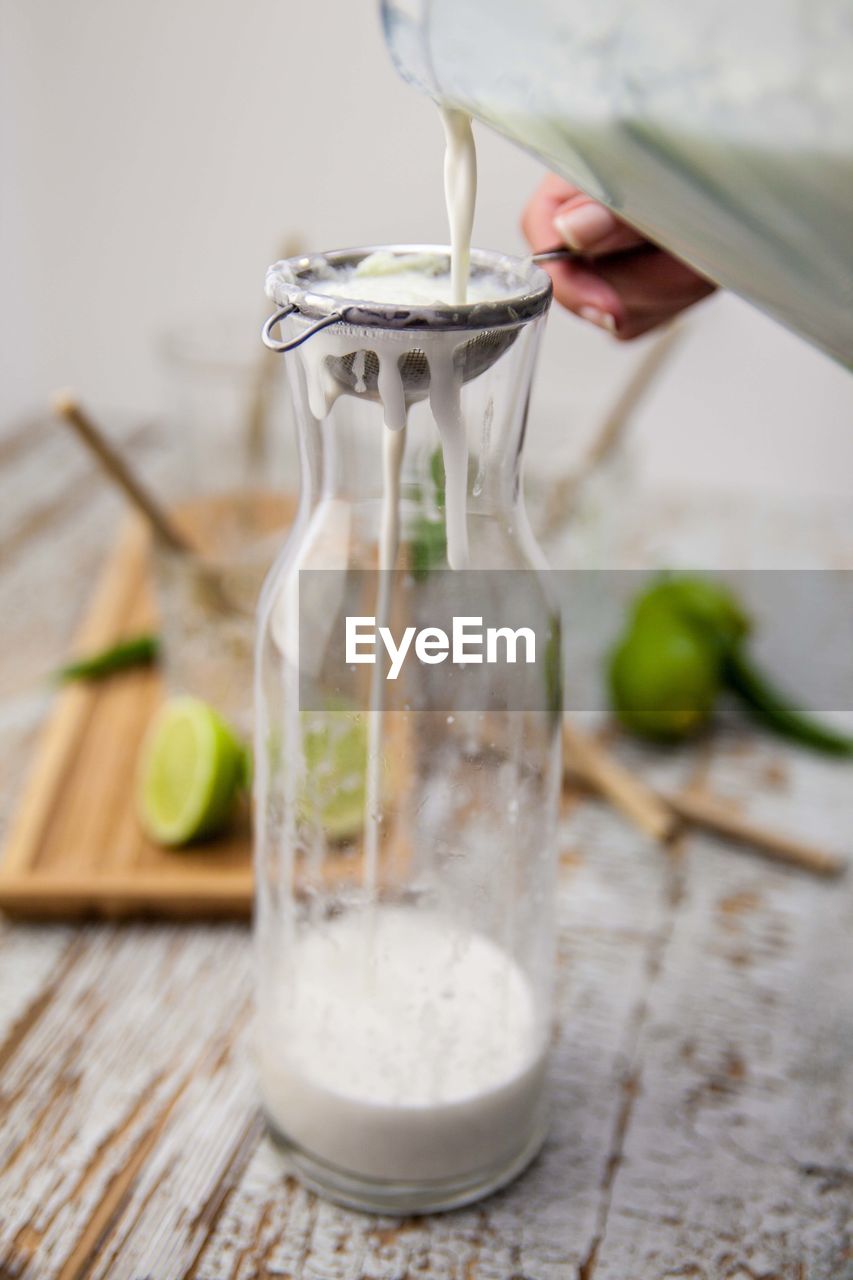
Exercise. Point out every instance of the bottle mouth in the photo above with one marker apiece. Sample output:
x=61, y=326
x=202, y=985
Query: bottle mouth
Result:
x=307, y=285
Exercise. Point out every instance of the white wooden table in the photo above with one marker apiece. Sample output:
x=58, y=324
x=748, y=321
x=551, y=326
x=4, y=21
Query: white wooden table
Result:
x=703, y=1069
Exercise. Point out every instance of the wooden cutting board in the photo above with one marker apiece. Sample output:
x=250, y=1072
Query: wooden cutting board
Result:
x=75, y=847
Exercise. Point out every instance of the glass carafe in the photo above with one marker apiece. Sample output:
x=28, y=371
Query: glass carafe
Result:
x=722, y=130
x=405, y=828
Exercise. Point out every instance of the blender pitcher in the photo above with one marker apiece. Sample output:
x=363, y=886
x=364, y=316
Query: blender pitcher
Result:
x=405, y=828
x=721, y=130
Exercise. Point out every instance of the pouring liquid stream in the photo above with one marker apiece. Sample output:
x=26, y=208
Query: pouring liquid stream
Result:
x=460, y=195
x=460, y=192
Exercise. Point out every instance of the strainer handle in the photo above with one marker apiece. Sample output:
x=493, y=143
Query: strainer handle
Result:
x=275, y=344
x=559, y=254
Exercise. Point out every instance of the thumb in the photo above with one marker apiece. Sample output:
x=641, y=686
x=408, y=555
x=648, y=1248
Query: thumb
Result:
x=591, y=229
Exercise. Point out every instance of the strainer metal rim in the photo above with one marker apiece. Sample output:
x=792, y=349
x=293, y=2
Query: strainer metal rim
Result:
x=284, y=288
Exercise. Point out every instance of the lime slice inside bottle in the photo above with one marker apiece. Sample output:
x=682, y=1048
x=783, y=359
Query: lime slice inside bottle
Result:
x=192, y=767
x=335, y=747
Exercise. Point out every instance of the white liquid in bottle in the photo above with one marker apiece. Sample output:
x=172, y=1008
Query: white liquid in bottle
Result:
x=404, y=1051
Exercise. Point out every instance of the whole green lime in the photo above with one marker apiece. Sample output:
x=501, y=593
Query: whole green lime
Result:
x=707, y=605
x=664, y=678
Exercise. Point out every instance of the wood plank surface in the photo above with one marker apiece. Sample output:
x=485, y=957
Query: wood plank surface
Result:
x=76, y=847
x=702, y=1125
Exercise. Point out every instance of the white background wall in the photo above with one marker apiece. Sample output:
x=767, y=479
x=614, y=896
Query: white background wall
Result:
x=154, y=155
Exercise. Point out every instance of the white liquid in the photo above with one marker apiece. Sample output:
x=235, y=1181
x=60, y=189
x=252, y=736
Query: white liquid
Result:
x=405, y=1051
x=384, y=277
x=460, y=194
x=417, y=279
x=393, y=446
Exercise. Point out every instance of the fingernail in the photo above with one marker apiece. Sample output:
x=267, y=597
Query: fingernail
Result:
x=603, y=319
x=584, y=226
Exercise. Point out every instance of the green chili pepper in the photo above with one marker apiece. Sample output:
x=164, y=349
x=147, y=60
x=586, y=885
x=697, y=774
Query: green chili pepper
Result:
x=775, y=709
x=139, y=651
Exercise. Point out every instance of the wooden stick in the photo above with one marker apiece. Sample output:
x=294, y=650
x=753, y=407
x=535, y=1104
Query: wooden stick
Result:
x=70, y=411
x=611, y=427
x=118, y=894
x=703, y=810
x=629, y=793
x=661, y=815
x=263, y=378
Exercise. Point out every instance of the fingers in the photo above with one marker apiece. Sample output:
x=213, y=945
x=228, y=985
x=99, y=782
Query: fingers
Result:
x=559, y=212
x=622, y=283
x=537, y=220
x=591, y=229
x=580, y=289
x=652, y=287
x=651, y=278
x=628, y=294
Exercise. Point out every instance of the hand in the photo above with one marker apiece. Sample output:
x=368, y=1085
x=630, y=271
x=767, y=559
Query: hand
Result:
x=624, y=284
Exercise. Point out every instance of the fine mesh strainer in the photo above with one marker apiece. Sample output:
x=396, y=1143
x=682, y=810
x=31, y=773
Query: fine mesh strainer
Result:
x=358, y=371
x=523, y=291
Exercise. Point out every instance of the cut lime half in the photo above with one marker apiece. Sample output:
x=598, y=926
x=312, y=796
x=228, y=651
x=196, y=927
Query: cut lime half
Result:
x=334, y=788
x=191, y=769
